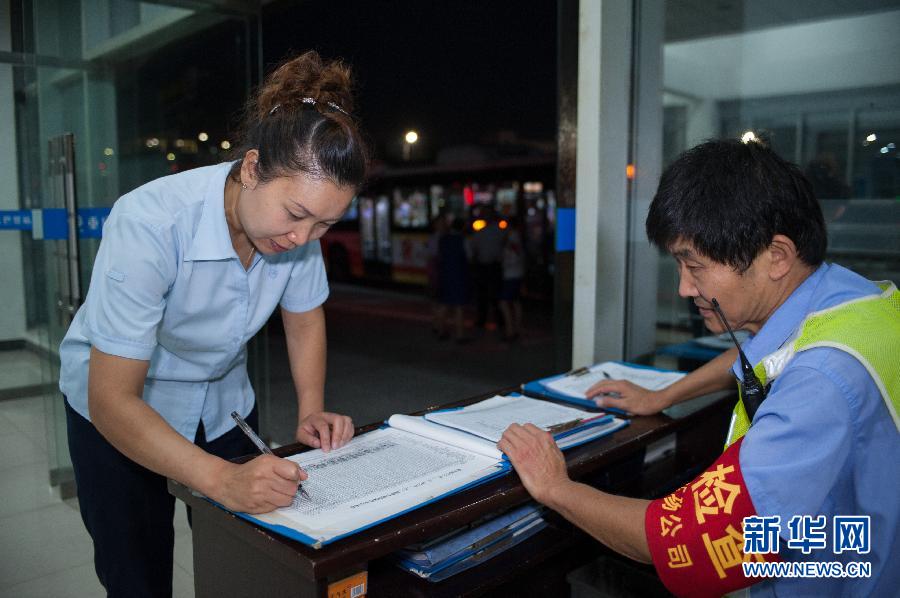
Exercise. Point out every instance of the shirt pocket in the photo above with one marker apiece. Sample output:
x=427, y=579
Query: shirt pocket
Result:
x=205, y=313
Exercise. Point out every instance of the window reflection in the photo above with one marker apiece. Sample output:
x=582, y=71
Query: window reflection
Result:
x=735, y=69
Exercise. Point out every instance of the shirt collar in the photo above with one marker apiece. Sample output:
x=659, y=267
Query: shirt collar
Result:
x=782, y=324
x=212, y=240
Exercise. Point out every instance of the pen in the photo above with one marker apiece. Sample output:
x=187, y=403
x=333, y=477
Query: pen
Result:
x=256, y=440
x=614, y=395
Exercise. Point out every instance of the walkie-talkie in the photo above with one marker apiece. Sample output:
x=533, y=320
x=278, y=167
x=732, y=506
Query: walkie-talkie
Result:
x=752, y=391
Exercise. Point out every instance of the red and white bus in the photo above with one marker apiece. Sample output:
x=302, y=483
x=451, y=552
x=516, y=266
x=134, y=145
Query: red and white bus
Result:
x=384, y=236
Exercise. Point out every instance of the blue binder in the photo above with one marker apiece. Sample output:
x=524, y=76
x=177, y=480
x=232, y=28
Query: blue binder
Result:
x=538, y=388
x=472, y=546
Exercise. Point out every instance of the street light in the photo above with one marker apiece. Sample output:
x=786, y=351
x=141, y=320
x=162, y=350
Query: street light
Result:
x=410, y=138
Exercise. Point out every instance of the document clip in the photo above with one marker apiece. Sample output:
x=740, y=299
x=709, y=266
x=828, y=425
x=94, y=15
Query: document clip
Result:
x=579, y=371
x=564, y=426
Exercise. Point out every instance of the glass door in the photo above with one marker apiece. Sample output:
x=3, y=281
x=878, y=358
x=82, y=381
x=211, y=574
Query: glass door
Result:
x=110, y=94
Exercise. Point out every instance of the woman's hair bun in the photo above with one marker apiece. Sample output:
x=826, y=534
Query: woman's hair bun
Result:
x=310, y=132
x=305, y=76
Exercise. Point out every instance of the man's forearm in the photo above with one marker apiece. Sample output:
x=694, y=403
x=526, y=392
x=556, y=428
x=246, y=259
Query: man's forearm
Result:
x=616, y=521
x=713, y=376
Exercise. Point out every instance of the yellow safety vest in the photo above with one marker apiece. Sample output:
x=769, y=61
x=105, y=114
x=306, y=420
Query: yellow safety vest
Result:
x=867, y=328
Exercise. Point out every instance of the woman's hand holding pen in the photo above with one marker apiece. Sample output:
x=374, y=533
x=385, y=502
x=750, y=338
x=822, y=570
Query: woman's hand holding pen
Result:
x=629, y=397
x=257, y=486
x=325, y=430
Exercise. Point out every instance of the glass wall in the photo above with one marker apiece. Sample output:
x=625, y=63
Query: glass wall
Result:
x=821, y=84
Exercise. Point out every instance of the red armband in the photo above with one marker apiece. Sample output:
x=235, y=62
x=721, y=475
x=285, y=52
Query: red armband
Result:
x=696, y=534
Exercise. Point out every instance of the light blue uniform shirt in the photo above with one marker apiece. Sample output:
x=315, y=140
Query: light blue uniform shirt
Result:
x=823, y=443
x=167, y=287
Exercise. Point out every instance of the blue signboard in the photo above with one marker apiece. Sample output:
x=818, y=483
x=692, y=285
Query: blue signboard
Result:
x=90, y=222
x=52, y=223
x=565, y=229
x=15, y=219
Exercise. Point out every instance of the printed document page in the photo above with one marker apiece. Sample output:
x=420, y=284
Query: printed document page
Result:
x=421, y=426
x=489, y=418
x=576, y=385
x=373, y=477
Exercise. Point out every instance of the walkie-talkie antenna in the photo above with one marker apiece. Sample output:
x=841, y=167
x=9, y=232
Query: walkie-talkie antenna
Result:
x=752, y=390
x=722, y=319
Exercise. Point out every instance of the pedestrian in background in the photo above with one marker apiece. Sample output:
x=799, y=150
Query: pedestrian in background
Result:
x=487, y=269
x=453, y=281
x=513, y=273
x=432, y=290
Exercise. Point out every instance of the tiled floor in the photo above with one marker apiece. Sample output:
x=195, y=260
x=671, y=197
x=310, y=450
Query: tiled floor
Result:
x=20, y=368
x=382, y=359
x=44, y=548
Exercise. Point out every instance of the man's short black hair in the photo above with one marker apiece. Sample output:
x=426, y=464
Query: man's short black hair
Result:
x=729, y=199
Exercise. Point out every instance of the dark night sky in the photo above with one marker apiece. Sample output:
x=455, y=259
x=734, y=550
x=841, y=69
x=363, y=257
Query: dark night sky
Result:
x=454, y=71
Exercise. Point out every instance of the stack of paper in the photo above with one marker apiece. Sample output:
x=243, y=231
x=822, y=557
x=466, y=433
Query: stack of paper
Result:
x=466, y=548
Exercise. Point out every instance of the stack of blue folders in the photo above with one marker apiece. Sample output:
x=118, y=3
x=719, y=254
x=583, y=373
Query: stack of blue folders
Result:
x=461, y=550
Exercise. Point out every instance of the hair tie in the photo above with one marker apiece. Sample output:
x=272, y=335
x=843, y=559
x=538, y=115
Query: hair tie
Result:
x=331, y=105
x=313, y=102
x=338, y=108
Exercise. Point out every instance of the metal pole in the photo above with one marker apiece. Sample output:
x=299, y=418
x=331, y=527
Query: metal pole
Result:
x=68, y=157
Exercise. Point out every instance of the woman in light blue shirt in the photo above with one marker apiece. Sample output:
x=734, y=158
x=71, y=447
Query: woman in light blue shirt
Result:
x=190, y=267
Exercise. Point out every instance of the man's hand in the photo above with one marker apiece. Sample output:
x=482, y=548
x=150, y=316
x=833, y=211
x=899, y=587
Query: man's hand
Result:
x=536, y=458
x=258, y=486
x=628, y=397
x=325, y=430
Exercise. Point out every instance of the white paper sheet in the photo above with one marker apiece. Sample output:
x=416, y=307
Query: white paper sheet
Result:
x=489, y=418
x=374, y=477
x=576, y=385
x=421, y=426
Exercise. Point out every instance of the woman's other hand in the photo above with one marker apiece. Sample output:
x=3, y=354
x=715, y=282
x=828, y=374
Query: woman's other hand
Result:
x=325, y=430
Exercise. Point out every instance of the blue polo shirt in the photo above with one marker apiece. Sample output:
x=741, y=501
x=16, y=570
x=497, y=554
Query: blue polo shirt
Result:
x=823, y=443
x=168, y=288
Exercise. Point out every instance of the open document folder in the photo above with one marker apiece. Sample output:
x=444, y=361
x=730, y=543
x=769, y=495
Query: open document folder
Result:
x=571, y=387
x=412, y=461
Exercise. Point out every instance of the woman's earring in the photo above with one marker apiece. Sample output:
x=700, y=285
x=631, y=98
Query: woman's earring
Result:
x=243, y=185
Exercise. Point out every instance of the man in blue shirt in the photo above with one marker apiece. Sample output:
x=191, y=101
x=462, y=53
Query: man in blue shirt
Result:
x=747, y=231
